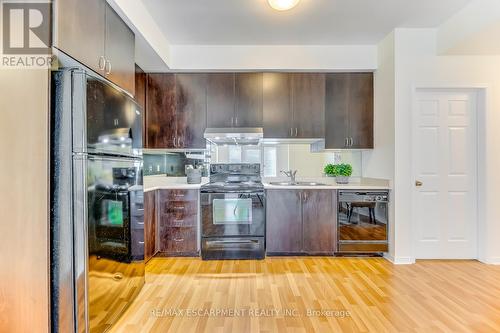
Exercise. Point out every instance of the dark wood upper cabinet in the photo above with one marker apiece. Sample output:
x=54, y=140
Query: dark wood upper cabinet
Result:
x=277, y=115
x=349, y=111
x=119, y=51
x=140, y=97
x=79, y=31
x=361, y=110
x=336, y=108
x=93, y=33
x=191, y=114
x=294, y=105
x=176, y=111
x=283, y=221
x=248, y=112
x=140, y=87
x=150, y=214
x=308, y=105
x=234, y=100
x=160, y=111
x=220, y=99
x=318, y=221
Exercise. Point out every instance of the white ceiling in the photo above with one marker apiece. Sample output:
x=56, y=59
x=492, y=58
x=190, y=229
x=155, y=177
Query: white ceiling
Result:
x=312, y=22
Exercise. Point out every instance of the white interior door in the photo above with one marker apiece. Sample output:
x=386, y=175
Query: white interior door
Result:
x=445, y=174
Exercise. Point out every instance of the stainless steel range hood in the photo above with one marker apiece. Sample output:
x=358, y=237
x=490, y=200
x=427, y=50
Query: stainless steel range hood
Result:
x=234, y=135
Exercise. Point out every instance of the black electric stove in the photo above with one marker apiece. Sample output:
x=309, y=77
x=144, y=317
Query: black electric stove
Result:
x=233, y=213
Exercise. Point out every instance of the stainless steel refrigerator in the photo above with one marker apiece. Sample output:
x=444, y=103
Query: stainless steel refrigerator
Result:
x=97, y=239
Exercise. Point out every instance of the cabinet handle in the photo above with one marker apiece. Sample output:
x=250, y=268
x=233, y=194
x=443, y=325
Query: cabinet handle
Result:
x=232, y=121
x=102, y=63
x=351, y=142
x=346, y=142
x=236, y=121
x=108, y=63
x=291, y=132
x=305, y=196
x=296, y=131
x=178, y=195
x=178, y=239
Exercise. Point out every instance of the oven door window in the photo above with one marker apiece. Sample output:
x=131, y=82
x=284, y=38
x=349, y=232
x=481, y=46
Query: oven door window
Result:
x=232, y=211
x=113, y=213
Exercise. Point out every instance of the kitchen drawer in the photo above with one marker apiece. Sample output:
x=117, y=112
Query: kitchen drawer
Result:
x=179, y=240
x=180, y=210
x=179, y=220
x=232, y=248
x=137, y=205
x=137, y=223
x=137, y=243
x=178, y=195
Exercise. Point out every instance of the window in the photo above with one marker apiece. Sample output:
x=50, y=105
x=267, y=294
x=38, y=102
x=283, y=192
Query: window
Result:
x=270, y=161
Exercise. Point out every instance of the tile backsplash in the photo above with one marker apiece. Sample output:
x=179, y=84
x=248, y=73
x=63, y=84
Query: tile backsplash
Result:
x=273, y=158
x=277, y=157
x=171, y=164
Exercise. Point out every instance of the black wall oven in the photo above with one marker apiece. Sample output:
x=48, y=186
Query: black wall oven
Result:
x=233, y=225
x=363, y=221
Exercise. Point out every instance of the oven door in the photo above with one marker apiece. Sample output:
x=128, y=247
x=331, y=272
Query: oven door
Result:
x=362, y=226
x=233, y=214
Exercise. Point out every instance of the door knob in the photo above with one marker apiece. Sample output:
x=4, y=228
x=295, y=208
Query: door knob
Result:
x=418, y=183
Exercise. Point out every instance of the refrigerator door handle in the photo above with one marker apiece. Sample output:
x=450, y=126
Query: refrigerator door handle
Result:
x=80, y=233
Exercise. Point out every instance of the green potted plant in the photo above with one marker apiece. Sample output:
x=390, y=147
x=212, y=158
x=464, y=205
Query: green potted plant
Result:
x=341, y=172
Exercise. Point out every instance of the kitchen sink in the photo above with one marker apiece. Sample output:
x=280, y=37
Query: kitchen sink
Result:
x=297, y=184
x=310, y=184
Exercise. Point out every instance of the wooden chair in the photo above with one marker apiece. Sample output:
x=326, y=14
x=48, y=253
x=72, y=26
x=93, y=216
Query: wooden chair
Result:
x=369, y=205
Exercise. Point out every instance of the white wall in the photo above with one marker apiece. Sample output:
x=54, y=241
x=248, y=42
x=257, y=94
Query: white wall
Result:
x=379, y=162
x=417, y=65
x=474, y=30
x=274, y=57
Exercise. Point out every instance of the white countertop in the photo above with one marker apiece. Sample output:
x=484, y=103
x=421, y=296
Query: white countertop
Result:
x=330, y=184
x=161, y=182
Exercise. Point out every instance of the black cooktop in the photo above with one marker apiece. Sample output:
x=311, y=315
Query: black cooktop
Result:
x=234, y=178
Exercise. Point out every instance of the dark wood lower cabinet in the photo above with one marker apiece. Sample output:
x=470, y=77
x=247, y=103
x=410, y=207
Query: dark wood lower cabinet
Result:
x=300, y=222
x=283, y=222
x=178, y=222
x=150, y=214
x=318, y=217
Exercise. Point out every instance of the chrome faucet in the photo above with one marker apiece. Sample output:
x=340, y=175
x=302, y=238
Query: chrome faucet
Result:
x=291, y=174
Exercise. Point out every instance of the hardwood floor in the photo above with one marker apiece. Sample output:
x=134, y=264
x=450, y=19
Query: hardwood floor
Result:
x=369, y=295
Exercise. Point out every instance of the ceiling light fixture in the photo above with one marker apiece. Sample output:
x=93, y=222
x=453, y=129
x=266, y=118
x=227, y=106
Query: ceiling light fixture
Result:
x=283, y=4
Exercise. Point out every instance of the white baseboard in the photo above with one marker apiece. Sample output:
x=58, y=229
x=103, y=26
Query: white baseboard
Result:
x=490, y=260
x=399, y=260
